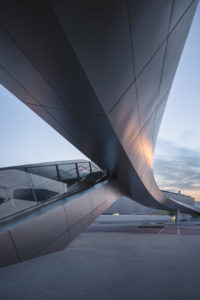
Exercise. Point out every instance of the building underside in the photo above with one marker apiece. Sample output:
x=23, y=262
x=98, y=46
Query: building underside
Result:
x=99, y=72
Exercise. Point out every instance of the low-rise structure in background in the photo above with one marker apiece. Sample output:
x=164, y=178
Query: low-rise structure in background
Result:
x=180, y=197
x=126, y=206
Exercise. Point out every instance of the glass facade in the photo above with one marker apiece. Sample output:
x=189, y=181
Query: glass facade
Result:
x=68, y=172
x=84, y=169
x=24, y=187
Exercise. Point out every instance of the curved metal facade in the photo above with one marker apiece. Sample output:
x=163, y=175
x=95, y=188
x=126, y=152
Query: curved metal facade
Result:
x=99, y=72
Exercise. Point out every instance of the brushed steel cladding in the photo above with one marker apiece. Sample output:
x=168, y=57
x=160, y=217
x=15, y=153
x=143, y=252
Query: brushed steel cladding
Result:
x=32, y=236
x=99, y=72
x=8, y=254
x=149, y=25
x=53, y=227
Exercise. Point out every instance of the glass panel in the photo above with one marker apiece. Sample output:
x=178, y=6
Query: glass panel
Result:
x=67, y=171
x=15, y=191
x=45, y=183
x=83, y=169
x=95, y=168
x=24, y=187
x=44, y=171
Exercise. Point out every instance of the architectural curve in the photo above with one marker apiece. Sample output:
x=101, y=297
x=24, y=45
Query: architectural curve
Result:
x=99, y=72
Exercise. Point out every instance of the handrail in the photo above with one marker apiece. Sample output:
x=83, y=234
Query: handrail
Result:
x=34, y=189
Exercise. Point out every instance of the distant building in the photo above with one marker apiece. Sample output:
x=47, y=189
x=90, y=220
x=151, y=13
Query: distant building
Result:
x=180, y=197
x=126, y=206
x=197, y=204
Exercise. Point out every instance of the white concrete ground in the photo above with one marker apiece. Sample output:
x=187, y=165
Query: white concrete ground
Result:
x=116, y=261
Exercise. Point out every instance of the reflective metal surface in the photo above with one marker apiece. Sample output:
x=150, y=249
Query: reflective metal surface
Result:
x=52, y=227
x=99, y=72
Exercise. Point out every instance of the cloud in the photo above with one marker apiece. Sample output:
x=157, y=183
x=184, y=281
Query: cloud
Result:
x=177, y=168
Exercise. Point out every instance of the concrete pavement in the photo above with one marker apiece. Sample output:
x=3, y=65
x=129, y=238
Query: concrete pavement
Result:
x=151, y=262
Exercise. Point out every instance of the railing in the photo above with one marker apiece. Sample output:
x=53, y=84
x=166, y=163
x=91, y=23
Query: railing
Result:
x=24, y=187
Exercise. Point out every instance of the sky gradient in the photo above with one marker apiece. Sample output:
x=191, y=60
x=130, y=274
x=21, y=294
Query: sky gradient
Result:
x=177, y=153
x=26, y=138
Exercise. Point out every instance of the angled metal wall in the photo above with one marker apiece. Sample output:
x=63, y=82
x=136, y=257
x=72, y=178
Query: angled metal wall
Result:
x=53, y=227
x=99, y=72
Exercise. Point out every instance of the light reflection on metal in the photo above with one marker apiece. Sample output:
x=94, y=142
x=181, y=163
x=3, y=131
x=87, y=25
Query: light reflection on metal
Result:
x=99, y=90
x=148, y=151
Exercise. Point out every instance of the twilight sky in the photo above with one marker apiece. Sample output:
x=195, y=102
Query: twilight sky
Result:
x=177, y=155
x=25, y=138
